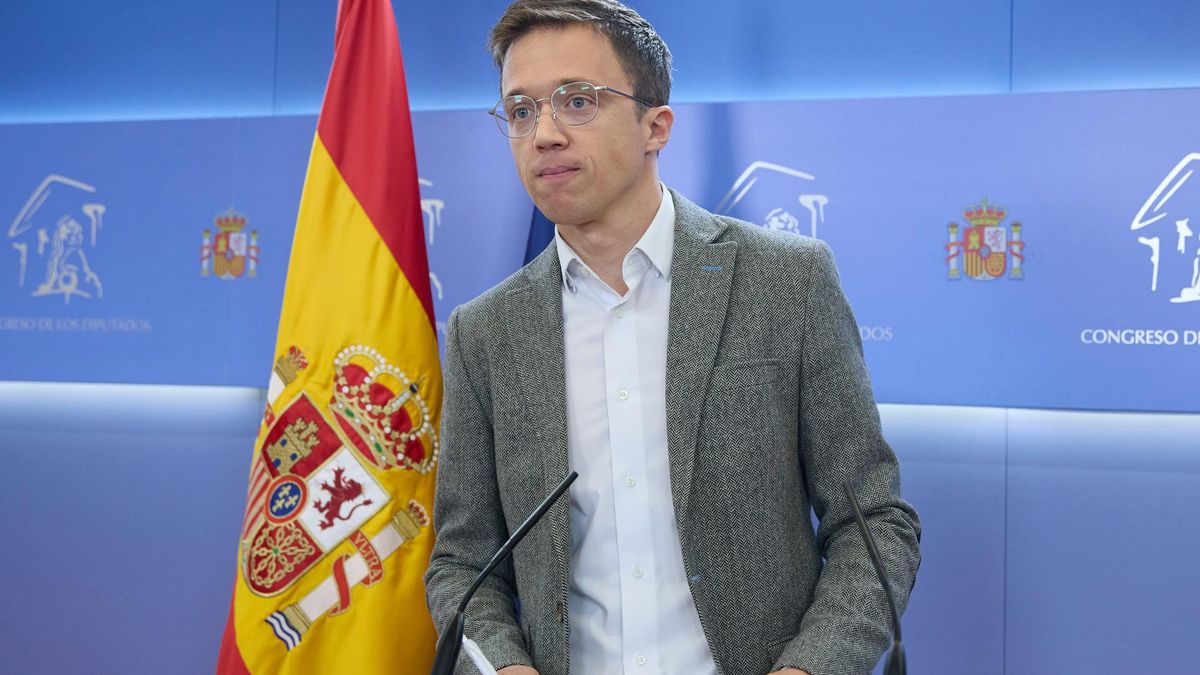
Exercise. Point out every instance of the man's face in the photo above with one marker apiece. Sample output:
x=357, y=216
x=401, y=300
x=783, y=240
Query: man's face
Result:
x=577, y=174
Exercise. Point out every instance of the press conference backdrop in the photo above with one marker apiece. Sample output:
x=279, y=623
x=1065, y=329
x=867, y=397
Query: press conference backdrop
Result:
x=1027, y=259
x=1023, y=251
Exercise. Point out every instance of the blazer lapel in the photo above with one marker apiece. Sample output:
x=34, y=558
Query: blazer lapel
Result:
x=535, y=336
x=701, y=277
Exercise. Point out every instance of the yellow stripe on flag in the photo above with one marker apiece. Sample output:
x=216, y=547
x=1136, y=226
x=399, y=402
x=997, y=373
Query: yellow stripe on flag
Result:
x=342, y=282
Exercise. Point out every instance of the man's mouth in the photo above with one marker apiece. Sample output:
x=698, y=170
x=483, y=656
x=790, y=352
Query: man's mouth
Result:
x=556, y=171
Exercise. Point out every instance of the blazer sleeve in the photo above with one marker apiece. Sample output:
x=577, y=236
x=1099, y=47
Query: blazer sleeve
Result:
x=847, y=627
x=468, y=517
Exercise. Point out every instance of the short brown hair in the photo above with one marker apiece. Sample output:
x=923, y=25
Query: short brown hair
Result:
x=643, y=55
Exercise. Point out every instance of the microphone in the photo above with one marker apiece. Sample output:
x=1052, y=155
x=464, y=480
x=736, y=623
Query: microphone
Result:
x=895, y=660
x=450, y=642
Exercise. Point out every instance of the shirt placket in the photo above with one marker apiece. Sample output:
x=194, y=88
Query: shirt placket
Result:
x=624, y=392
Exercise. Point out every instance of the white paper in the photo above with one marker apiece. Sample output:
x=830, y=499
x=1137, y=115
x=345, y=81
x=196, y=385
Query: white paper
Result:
x=477, y=657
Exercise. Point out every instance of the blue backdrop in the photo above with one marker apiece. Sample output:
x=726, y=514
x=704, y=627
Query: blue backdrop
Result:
x=1022, y=251
x=1055, y=540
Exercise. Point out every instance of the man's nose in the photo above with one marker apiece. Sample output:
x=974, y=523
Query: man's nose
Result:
x=547, y=133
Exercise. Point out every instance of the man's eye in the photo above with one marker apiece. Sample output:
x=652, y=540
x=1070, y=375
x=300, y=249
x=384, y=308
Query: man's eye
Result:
x=520, y=113
x=578, y=102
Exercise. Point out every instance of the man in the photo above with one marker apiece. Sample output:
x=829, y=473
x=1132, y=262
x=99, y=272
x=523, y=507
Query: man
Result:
x=703, y=376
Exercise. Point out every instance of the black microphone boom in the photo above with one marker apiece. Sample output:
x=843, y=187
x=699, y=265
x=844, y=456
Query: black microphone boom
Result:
x=450, y=642
x=895, y=660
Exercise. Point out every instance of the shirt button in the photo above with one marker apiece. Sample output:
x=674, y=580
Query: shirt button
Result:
x=622, y=394
x=637, y=572
x=631, y=481
x=641, y=660
x=619, y=313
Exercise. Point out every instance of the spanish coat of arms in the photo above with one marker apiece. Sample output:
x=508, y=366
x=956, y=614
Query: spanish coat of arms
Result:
x=985, y=245
x=232, y=253
x=314, y=482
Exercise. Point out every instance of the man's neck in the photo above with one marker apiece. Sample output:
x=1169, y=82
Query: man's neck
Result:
x=603, y=245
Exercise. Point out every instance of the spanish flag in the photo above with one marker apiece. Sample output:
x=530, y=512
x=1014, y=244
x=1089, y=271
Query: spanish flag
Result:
x=337, y=532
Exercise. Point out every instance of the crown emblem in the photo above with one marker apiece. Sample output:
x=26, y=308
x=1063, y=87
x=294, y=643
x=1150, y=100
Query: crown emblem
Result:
x=382, y=411
x=230, y=221
x=409, y=522
x=984, y=215
x=288, y=366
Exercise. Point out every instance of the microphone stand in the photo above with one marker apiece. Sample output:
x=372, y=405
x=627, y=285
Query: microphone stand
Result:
x=895, y=661
x=450, y=642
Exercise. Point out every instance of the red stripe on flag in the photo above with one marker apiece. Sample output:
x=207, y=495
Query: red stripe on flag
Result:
x=258, y=489
x=253, y=517
x=258, y=484
x=366, y=128
x=229, y=659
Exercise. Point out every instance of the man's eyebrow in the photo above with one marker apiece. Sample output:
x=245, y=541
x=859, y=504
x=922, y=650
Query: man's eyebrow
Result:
x=520, y=91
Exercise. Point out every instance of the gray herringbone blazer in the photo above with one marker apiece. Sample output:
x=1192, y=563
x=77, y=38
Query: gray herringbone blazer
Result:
x=769, y=410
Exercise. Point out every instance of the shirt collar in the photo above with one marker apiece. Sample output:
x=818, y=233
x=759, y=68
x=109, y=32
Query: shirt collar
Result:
x=657, y=243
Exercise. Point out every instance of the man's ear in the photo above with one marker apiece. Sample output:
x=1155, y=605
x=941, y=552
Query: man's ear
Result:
x=659, y=121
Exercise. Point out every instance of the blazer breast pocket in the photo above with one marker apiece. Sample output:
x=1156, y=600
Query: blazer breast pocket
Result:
x=740, y=374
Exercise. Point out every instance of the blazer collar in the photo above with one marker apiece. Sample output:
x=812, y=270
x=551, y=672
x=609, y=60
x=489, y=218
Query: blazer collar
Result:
x=657, y=242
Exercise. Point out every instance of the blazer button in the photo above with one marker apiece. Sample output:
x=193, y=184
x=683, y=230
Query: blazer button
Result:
x=558, y=611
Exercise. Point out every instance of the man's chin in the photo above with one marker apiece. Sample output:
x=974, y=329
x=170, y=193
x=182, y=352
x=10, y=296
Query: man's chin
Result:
x=557, y=211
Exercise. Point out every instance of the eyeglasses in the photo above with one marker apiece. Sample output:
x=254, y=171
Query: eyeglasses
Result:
x=572, y=104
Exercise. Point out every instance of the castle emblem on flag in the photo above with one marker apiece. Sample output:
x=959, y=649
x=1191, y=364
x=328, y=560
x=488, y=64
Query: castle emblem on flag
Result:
x=985, y=246
x=231, y=253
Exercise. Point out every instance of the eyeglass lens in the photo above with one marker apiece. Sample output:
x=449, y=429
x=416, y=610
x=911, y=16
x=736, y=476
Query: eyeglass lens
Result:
x=574, y=104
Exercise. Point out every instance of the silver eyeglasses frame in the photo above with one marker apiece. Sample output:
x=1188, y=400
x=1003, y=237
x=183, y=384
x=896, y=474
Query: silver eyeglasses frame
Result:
x=505, y=127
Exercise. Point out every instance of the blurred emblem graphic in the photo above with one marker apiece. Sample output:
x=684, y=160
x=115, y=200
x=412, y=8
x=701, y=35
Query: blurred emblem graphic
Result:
x=431, y=212
x=51, y=237
x=431, y=216
x=768, y=195
x=231, y=253
x=986, y=248
x=1164, y=226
